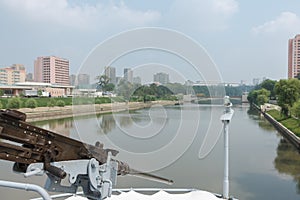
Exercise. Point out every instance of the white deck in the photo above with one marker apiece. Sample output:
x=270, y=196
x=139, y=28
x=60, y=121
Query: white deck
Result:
x=159, y=195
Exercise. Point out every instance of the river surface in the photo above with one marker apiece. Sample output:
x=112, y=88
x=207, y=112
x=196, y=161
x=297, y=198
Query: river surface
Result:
x=185, y=144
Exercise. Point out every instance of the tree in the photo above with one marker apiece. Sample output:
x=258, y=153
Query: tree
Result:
x=31, y=103
x=125, y=89
x=39, y=93
x=269, y=85
x=51, y=103
x=14, y=103
x=108, y=87
x=259, y=97
x=287, y=92
x=1, y=93
x=145, y=92
x=262, y=99
x=103, y=80
x=296, y=109
x=60, y=103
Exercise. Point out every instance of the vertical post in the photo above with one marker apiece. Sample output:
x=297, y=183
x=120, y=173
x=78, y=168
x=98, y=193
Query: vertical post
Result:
x=226, y=161
x=225, y=118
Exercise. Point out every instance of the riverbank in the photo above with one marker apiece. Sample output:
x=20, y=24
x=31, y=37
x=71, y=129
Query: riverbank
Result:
x=284, y=131
x=47, y=113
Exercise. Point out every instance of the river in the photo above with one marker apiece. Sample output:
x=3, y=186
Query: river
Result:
x=185, y=143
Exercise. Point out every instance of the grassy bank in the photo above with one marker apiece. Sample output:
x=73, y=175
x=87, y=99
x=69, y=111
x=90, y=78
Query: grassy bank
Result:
x=68, y=101
x=289, y=122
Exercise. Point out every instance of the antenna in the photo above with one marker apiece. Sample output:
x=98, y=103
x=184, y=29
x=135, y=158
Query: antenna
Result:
x=226, y=118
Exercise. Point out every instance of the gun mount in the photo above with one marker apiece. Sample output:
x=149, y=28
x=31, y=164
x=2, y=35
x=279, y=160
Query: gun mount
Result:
x=36, y=151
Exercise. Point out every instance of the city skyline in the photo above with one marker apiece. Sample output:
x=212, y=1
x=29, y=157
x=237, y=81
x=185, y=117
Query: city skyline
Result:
x=84, y=79
x=241, y=44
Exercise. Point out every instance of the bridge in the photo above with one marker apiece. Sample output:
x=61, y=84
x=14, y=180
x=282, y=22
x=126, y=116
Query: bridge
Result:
x=193, y=98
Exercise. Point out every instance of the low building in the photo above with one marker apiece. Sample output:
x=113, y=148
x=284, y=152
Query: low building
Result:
x=53, y=89
x=13, y=74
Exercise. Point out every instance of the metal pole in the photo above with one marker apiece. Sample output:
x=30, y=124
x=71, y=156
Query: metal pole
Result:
x=226, y=118
x=27, y=187
x=226, y=161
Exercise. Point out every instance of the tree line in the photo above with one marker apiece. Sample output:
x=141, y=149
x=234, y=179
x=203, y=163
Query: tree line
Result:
x=131, y=91
x=285, y=92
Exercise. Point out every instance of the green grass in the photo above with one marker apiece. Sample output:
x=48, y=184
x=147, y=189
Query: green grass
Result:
x=289, y=122
x=277, y=115
x=293, y=125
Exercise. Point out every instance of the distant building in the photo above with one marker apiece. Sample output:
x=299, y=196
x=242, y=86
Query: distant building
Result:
x=52, y=69
x=118, y=79
x=110, y=72
x=162, y=78
x=137, y=80
x=73, y=80
x=256, y=81
x=188, y=82
x=243, y=82
x=29, y=77
x=53, y=89
x=128, y=75
x=294, y=57
x=13, y=74
x=83, y=79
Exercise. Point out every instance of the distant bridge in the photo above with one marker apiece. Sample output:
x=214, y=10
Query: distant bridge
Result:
x=193, y=98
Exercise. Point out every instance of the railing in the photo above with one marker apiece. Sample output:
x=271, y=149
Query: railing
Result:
x=27, y=187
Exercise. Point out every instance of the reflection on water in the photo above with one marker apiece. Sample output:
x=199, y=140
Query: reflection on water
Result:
x=288, y=161
x=107, y=123
x=61, y=126
x=262, y=164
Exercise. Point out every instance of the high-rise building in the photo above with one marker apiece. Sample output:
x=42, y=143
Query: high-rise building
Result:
x=162, y=78
x=110, y=72
x=29, y=77
x=73, y=80
x=83, y=79
x=294, y=57
x=128, y=75
x=51, y=69
x=13, y=74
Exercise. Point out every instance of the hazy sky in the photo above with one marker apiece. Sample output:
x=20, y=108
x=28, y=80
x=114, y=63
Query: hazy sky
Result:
x=246, y=39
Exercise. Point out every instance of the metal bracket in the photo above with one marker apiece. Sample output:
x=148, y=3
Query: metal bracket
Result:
x=96, y=180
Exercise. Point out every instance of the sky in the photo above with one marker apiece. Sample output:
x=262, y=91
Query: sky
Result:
x=245, y=39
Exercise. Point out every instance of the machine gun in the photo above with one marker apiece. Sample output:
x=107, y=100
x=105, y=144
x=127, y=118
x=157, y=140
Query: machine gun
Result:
x=36, y=151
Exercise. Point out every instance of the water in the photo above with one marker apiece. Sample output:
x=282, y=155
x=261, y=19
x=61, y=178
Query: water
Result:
x=170, y=141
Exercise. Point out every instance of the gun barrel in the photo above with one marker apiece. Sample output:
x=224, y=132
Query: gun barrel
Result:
x=41, y=145
x=151, y=177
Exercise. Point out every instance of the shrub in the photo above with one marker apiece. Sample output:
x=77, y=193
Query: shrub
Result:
x=98, y=101
x=31, y=103
x=51, y=103
x=60, y=103
x=14, y=103
x=1, y=106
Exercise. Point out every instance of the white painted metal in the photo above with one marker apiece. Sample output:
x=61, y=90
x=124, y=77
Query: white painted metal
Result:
x=27, y=187
x=226, y=118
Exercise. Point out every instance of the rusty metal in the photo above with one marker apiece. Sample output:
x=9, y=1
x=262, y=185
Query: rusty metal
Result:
x=24, y=144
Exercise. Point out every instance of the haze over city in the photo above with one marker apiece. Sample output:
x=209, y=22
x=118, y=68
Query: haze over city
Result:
x=246, y=39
